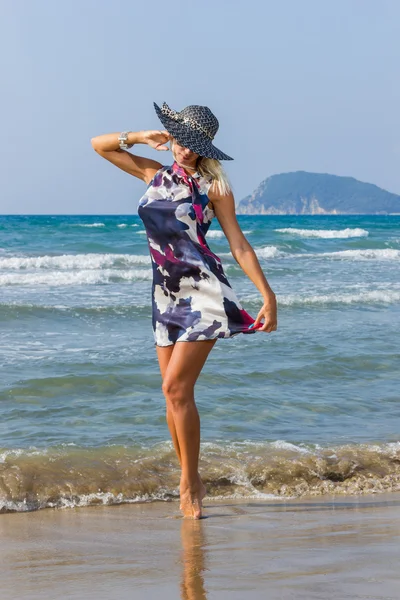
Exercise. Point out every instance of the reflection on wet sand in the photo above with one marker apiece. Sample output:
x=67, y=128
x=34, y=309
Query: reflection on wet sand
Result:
x=193, y=560
x=306, y=550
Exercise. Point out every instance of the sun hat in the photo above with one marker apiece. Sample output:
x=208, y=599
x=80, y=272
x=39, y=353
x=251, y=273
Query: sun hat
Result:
x=193, y=127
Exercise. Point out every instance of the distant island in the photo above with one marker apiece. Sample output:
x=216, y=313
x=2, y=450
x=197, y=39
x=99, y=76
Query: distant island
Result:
x=302, y=193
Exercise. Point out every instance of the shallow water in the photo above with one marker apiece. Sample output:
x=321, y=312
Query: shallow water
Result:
x=82, y=416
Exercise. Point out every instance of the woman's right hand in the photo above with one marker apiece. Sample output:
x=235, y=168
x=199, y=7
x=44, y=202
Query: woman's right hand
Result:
x=108, y=146
x=156, y=139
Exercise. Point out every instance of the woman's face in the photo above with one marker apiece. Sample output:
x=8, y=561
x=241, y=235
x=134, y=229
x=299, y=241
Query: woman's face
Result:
x=184, y=156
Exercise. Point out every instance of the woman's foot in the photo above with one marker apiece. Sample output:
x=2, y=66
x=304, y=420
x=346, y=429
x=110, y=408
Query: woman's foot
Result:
x=191, y=499
x=202, y=490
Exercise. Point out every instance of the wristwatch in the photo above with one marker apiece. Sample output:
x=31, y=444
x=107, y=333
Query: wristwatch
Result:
x=122, y=138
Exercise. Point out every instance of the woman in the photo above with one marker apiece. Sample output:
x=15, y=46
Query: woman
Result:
x=192, y=299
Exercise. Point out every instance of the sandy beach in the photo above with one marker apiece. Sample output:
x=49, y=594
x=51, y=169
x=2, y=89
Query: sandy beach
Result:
x=330, y=547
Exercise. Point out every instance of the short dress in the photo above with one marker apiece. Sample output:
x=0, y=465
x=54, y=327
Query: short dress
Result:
x=192, y=299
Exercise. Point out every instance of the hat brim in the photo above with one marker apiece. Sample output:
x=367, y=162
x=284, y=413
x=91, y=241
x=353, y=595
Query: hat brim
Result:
x=194, y=140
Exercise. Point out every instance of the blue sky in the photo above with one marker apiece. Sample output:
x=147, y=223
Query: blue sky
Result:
x=307, y=85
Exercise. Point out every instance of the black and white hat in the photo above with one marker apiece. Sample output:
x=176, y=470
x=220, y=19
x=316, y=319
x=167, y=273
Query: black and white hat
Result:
x=193, y=127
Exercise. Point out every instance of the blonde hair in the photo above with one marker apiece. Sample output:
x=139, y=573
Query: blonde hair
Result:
x=211, y=168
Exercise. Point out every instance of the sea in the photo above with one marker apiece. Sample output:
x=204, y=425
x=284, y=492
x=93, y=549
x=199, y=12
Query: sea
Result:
x=312, y=408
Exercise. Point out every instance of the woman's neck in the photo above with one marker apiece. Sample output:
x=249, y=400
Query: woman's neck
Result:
x=188, y=170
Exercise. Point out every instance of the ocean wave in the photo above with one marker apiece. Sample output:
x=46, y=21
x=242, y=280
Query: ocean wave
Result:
x=220, y=234
x=365, y=254
x=18, y=309
x=385, y=296
x=268, y=252
x=356, y=255
x=388, y=296
x=215, y=234
x=89, y=224
x=70, y=476
x=367, y=297
x=83, y=277
x=263, y=252
x=100, y=261
x=326, y=233
x=210, y=234
x=73, y=261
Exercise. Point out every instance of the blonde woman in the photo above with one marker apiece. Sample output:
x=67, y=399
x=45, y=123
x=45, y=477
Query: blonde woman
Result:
x=193, y=303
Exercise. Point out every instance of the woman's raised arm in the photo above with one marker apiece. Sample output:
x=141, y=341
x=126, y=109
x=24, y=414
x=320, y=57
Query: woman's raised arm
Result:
x=107, y=146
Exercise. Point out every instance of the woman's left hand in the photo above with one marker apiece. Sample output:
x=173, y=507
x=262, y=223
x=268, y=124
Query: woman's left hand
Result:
x=268, y=312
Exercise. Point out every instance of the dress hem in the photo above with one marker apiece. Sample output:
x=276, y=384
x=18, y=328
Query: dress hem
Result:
x=227, y=337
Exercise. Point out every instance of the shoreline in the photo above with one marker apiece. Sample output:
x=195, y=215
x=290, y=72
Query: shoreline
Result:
x=325, y=547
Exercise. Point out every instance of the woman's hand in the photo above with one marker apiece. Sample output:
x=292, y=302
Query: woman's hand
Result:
x=156, y=139
x=268, y=312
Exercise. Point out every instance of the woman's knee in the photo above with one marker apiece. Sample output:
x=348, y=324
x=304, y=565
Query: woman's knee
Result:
x=177, y=393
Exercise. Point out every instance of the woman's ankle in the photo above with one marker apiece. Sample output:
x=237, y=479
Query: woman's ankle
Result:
x=191, y=483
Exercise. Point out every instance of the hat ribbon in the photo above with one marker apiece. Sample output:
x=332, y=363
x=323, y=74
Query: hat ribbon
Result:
x=173, y=114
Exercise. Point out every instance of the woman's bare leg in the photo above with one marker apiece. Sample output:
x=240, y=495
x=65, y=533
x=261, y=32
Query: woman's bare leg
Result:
x=164, y=353
x=184, y=366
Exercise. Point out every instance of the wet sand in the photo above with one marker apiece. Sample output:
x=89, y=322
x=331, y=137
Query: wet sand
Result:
x=330, y=547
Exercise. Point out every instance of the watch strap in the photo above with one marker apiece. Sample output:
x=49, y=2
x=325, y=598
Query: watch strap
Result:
x=122, y=138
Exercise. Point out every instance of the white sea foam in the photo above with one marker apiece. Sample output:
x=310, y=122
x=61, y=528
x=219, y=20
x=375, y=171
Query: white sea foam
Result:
x=13, y=452
x=268, y=252
x=73, y=261
x=264, y=252
x=361, y=254
x=215, y=234
x=95, y=498
x=366, y=297
x=220, y=234
x=17, y=452
x=365, y=254
x=283, y=445
x=122, y=225
x=356, y=255
x=90, y=224
x=99, y=261
x=326, y=233
x=255, y=495
x=83, y=277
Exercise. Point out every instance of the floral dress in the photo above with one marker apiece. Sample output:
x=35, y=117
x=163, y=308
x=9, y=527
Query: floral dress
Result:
x=191, y=297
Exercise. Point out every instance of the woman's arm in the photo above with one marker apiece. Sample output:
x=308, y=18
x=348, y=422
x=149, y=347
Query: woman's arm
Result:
x=243, y=253
x=107, y=146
